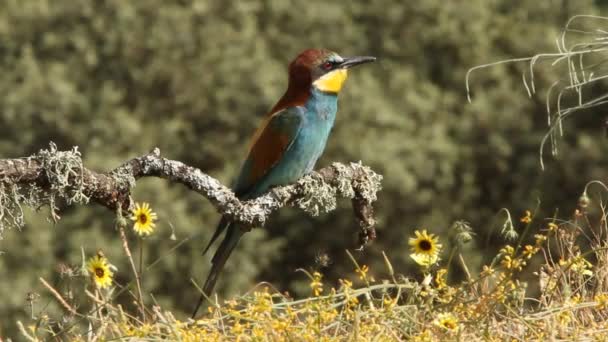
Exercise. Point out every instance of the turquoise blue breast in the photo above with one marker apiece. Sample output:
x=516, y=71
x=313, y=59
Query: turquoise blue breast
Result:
x=318, y=117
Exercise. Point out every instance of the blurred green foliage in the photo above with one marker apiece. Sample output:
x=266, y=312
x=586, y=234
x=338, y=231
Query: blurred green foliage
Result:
x=117, y=78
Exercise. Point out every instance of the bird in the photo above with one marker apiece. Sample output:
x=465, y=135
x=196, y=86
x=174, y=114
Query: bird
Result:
x=288, y=143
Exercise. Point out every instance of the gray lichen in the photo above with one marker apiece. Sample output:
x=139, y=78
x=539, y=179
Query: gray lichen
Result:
x=369, y=184
x=124, y=178
x=317, y=197
x=64, y=172
x=11, y=212
x=343, y=184
x=12, y=199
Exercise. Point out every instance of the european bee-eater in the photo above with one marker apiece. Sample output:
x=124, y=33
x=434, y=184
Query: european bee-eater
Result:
x=289, y=141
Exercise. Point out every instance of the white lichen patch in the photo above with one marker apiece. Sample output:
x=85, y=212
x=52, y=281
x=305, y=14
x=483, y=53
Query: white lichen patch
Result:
x=11, y=212
x=343, y=182
x=316, y=196
x=369, y=185
x=64, y=172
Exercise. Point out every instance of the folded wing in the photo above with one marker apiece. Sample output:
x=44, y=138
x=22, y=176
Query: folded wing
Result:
x=271, y=142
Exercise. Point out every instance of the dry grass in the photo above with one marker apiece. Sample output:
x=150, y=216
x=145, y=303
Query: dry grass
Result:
x=565, y=299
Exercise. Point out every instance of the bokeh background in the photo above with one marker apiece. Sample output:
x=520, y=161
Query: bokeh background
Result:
x=117, y=78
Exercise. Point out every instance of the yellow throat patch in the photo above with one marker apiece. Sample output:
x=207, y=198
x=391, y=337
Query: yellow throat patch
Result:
x=332, y=81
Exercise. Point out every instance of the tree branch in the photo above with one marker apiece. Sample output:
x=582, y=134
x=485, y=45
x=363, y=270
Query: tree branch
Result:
x=50, y=174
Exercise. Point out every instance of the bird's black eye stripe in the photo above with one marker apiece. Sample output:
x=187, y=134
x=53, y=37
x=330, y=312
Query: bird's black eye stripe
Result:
x=328, y=65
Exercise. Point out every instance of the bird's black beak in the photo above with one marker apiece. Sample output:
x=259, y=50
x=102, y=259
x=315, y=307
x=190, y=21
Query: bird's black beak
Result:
x=350, y=62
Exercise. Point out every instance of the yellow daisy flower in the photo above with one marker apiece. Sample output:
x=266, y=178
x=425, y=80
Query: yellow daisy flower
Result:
x=447, y=321
x=424, y=260
x=425, y=243
x=100, y=271
x=425, y=248
x=144, y=219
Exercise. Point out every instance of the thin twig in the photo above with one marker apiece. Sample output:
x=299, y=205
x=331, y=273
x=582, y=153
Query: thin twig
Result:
x=141, y=270
x=59, y=298
x=125, y=246
x=24, y=332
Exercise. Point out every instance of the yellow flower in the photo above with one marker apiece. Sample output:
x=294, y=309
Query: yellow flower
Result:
x=424, y=260
x=262, y=302
x=601, y=300
x=564, y=317
x=578, y=264
x=529, y=251
x=144, y=219
x=423, y=336
x=346, y=284
x=425, y=248
x=425, y=243
x=440, y=278
x=510, y=263
x=539, y=239
x=389, y=303
x=363, y=272
x=316, y=285
x=238, y=328
x=100, y=271
x=487, y=271
x=507, y=250
x=258, y=332
x=527, y=217
x=447, y=321
x=574, y=300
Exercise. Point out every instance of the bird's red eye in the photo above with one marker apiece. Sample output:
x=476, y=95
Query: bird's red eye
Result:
x=327, y=65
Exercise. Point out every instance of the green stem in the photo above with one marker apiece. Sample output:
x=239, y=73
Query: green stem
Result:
x=447, y=267
x=141, y=273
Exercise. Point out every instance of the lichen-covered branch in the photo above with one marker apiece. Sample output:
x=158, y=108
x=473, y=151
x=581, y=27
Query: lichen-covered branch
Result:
x=50, y=175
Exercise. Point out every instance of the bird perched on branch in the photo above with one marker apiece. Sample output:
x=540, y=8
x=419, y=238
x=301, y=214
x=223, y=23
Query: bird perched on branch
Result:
x=289, y=141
